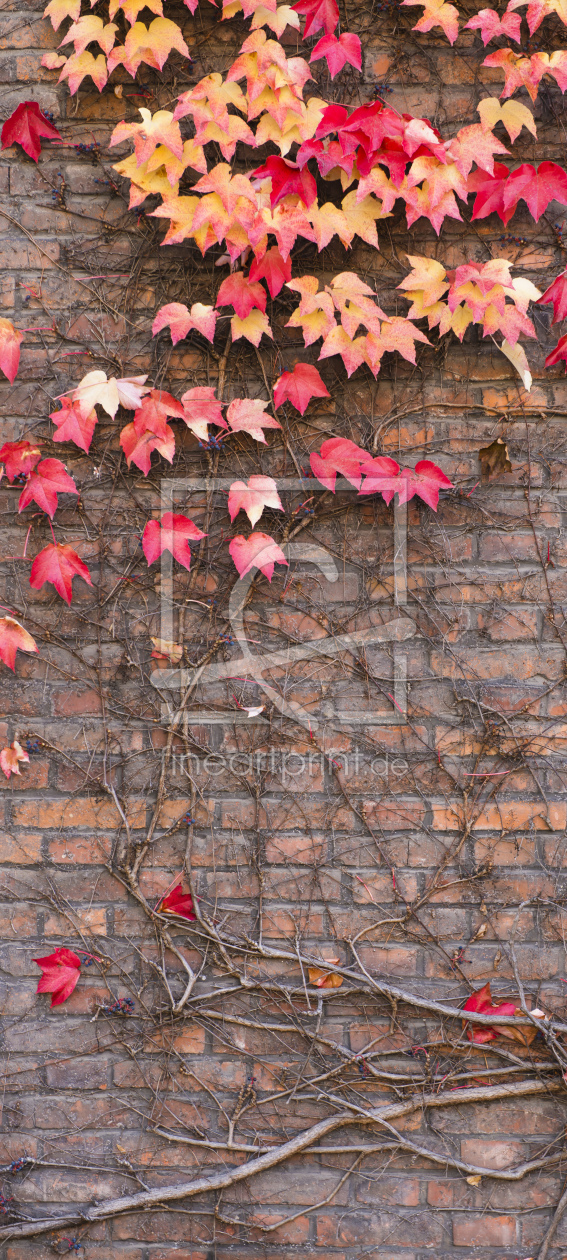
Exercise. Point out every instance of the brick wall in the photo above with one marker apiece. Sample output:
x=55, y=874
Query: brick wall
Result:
x=390, y=833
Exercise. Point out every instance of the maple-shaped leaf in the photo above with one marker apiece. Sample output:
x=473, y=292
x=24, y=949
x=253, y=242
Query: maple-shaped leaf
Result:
x=26, y=126
x=272, y=268
x=53, y=61
x=481, y=1003
x=259, y=551
x=158, y=129
x=79, y=66
x=13, y=638
x=538, y=9
x=558, y=353
x=252, y=497
x=61, y=970
x=425, y=480
x=556, y=293
x=474, y=144
x=180, y=320
x=58, y=563
x=519, y=71
x=299, y=387
x=238, y=292
x=172, y=535
x=151, y=44
x=10, y=342
x=10, y=758
x=322, y=978
x=109, y=393
x=246, y=415
x=254, y=327
x=178, y=902
x=140, y=438
x=338, y=52
x=89, y=30
x=490, y=25
x=400, y=335
x=18, y=458
x=74, y=424
x=44, y=484
x=437, y=13
x=155, y=407
x=58, y=10
x=338, y=455
x=351, y=349
x=381, y=476
x=427, y=277
x=361, y=216
x=287, y=178
x=321, y=15
x=490, y=193
x=536, y=187
x=511, y=113
x=201, y=408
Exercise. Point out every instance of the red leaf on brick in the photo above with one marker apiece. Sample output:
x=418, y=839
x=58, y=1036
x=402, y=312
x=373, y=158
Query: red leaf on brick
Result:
x=272, y=268
x=259, y=551
x=26, y=126
x=536, y=187
x=10, y=342
x=556, y=293
x=490, y=193
x=299, y=387
x=338, y=52
x=381, y=476
x=171, y=535
x=44, y=484
x=246, y=415
x=559, y=353
x=321, y=15
x=238, y=292
x=10, y=757
x=481, y=1003
x=13, y=638
x=200, y=408
x=287, y=178
x=180, y=320
x=58, y=564
x=178, y=902
x=425, y=480
x=74, y=424
x=61, y=970
x=19, y=457
x=338, y=455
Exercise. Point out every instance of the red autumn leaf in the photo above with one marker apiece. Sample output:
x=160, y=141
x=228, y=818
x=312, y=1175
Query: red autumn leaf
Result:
x=259, y=551
x=287, y=178
x=178, y=902
x=171, y=535
x=490, y=193
x=381, y=476
x=490, y=25
x=299, y=387
x=149, y=430
x=19, y=457
x=559, y=353
x=44, y=484
x=259, y=492
x=338, y=455
x=272, y=268
x=481, y=1003
x=246, y=415
x=10, y=342
x=26, y=126
x=322, y=15
x=238, y=292
x=200, y=408
x=425, y=480
x=14, y=637
x=10, y=758
x=556, y=293
x=180, y=320
x=61, y=970
x=155, y=408
x=74, y=424
x=58, y=564
x=338, y=52
x=536, y=187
